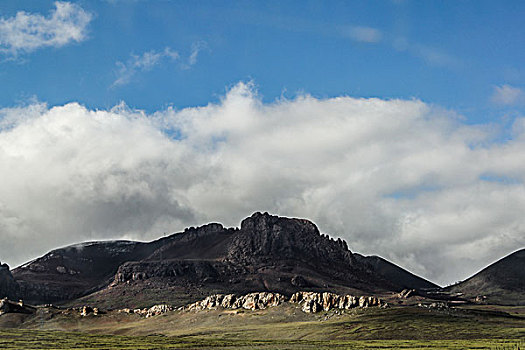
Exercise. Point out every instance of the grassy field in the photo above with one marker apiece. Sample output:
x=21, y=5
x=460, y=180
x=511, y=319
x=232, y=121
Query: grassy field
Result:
x=33, y=339
x=283, y=327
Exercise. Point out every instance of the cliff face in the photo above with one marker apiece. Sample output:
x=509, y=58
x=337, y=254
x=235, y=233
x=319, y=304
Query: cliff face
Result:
x=268, y=236
x=8, y=286
x=267, y=253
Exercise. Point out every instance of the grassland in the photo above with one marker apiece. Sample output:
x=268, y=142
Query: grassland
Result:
x=283, y=327
x=32, y=339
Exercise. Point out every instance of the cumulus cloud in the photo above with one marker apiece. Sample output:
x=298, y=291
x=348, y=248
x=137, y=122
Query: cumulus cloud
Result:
x=365, y=34
x=143, y=62
x=26, y=32
x=398, y=178
x=507, y=95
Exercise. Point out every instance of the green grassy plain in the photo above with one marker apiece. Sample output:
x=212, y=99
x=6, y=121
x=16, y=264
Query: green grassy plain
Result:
x=33, y=339
x=282, y=327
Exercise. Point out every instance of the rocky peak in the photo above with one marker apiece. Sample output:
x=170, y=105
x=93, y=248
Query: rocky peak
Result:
x=264, y=223
x=263, y=234
x=191, y=233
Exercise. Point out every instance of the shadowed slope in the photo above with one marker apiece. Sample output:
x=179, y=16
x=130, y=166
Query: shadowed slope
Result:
x=395, y=273
x=75, y=270
x=503, y=282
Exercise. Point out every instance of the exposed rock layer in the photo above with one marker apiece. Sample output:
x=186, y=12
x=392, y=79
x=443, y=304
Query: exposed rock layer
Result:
x=310, y=302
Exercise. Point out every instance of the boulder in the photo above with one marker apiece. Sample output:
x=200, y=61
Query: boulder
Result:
x=86, y=310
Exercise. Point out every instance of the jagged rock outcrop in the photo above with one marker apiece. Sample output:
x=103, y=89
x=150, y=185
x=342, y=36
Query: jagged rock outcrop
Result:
x=251, y=301
x=312, y=302
x=158, y=310
x=88, y=310
x=264, y=236
x=155, y=310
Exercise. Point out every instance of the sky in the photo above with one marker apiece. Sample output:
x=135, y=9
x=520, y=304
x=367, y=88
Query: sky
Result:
x=396, y=125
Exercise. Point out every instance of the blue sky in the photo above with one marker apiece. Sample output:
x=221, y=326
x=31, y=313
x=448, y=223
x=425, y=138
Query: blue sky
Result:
x=396, y=125
x=450, y=53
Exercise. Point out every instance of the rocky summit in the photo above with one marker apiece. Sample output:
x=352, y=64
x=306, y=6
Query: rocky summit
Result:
x=266, y=253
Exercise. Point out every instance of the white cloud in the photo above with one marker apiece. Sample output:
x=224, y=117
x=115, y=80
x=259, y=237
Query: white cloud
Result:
x=26, y=32
x=195, y=49
x=508, y=95
x=144, y=62
x=434, y=56
x=148, y=60
x=397, y=178
x=431, y=55
x=365, y=34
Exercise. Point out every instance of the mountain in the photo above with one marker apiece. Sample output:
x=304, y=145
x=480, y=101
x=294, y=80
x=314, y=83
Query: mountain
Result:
x=502, y=282
x=73, y=271
x=266, y=253
x=8, y=286
x=395, y=273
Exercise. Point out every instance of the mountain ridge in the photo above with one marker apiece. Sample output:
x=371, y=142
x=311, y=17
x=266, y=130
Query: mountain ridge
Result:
x=266, y=252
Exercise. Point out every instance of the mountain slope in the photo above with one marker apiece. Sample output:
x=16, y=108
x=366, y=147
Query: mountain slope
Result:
x=73, y=271
x=266, y=253
x=395, y=273
x=502, y=282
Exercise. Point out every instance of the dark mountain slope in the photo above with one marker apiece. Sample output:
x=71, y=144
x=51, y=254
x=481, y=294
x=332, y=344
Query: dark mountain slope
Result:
x=266, y=253
x=502, y=282
x=395, y=273
x=75, y=270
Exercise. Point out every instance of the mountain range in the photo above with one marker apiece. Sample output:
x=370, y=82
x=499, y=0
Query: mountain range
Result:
x=266, y=253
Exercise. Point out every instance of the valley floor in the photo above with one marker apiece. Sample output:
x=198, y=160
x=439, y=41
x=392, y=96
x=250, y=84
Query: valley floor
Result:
x=281, y=327
x=31, y=339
